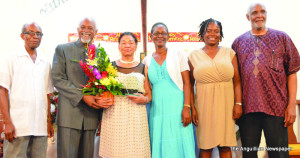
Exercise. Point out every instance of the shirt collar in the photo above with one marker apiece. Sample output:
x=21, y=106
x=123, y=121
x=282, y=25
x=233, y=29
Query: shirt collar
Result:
x=79, y=44
x=24, y=52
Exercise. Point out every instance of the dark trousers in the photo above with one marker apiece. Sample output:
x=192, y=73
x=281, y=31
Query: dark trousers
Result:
x=251, y=126
x=75, y=143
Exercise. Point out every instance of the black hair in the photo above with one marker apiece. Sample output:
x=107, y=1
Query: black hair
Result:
x=157, y=24
x=130, y=34
x=203, y=27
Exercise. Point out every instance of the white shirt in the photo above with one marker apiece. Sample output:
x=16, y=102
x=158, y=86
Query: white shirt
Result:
x=177, y=62
x=28, y=84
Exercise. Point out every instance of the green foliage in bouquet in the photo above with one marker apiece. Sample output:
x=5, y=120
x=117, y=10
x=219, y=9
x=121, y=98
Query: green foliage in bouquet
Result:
x=102, y=74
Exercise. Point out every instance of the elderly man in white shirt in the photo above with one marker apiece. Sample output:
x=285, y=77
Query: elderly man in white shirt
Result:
x=25, y=83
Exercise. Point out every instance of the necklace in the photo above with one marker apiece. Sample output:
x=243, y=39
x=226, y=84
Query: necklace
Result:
x=126, y=62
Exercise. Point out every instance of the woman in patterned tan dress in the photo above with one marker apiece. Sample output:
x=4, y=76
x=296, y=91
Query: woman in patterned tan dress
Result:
x=218, y=97
x=124, y=129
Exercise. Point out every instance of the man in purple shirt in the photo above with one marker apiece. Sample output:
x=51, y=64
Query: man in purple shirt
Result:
x=268, y=61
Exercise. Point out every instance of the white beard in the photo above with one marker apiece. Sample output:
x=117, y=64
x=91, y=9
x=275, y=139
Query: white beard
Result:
x=85, y=40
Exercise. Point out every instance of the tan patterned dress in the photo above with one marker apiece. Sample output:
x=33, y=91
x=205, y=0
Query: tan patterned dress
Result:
x=214, y=98
x=124, y=129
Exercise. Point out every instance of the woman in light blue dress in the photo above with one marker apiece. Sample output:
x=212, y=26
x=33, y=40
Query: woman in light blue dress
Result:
x=171, y=131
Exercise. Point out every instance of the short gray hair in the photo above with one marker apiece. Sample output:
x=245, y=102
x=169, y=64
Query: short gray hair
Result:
x=91, y=20
x=253, y=5
x=24, y=27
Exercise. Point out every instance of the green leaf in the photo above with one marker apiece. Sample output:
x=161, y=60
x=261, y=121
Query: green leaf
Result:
x=75, y=60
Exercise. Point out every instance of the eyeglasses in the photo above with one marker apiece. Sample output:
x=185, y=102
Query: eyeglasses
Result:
x=157, y=34
x=89, y=28
x=38, y=34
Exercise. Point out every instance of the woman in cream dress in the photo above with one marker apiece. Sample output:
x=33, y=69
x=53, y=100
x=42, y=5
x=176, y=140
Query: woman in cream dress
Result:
x=215, y=71
x=124, y=129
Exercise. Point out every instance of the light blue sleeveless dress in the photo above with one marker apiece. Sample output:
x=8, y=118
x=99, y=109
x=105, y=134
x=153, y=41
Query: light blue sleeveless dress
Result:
x=168, y=137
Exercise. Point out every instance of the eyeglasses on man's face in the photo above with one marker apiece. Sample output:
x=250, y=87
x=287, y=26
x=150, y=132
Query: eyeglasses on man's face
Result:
x=89, y=28
x=31, y=33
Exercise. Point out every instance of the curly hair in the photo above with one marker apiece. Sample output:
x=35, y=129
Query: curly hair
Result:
x=204, y=25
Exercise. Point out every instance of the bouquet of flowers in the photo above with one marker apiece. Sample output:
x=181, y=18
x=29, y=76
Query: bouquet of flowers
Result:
x=102, y=75
x=53, y=105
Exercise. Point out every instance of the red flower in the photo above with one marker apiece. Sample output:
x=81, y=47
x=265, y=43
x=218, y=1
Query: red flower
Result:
x=92, y=80
x=91, y=51
x=104, y=74
x=56, y=100
x=90, y=83
x=85, y=69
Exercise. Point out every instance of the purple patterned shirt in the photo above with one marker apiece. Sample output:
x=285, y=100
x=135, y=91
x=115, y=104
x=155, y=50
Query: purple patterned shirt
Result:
x=265, y=62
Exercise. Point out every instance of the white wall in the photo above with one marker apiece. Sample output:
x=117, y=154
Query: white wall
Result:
x=120, y=16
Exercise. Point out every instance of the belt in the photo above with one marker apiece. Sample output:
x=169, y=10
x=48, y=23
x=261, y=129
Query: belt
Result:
x=130, y=91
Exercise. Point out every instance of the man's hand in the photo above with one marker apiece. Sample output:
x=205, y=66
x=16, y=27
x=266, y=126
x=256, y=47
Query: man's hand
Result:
x=9, y=131
x=186, y=117
x=91, y=101
x=101, y=102
x=50, y=130
x=104, y=102
x=290, y=115
x=237, y=112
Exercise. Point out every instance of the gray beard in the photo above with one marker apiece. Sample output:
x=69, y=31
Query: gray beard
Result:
x=85, y=41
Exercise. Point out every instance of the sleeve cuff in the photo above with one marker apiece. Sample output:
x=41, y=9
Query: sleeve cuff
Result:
x=4, y=86
x=76, y=101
